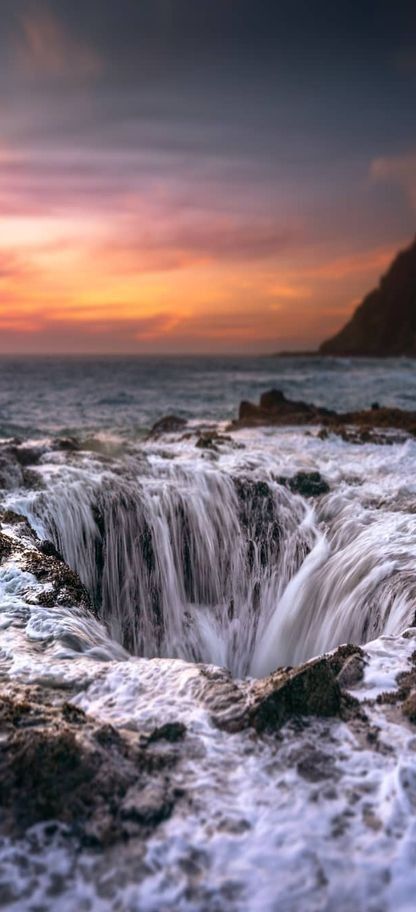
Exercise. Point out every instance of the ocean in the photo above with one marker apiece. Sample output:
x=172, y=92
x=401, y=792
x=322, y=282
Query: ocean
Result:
x=66, y=395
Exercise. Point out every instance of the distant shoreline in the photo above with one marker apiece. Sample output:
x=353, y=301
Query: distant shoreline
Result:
x=361, y=357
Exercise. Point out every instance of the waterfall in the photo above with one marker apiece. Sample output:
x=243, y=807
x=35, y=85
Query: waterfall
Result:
x=180, y=564
x=192, y=561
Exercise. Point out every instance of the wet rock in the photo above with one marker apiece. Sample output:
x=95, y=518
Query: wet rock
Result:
x=57, y=764
x=28, y=455
x=342, y=654
x=149, y=806
x=47, y=547
x=276, y=410
x=67, y=586
x=11, y=475
x=409, y=707
x=314, y=764
x=170, y=424
x=308, y=484
x=43, y=560
x=16, y=460
x=67, y=444
x=311, y=689
x=6, y=546
x=258, y=515
x=361, y=435
x=352, y=672
x=212, y=440
x=252, y=491
x=170, y=731
x=225, y=698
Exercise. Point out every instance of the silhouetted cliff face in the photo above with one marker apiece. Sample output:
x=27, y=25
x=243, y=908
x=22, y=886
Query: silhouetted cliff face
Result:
x=385, y=322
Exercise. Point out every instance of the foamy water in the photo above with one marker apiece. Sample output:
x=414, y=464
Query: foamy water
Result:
x=197, y=556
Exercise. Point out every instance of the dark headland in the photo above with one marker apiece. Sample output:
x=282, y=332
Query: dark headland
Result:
x=384, y=324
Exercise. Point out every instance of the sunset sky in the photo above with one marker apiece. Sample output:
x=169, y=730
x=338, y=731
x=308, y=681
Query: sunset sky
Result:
x=200, y=175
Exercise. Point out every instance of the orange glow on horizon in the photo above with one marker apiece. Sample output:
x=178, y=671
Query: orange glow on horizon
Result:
x=50, y=281
x=147, y=277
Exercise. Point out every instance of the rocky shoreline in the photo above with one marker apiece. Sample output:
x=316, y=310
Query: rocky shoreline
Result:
x=275, y=410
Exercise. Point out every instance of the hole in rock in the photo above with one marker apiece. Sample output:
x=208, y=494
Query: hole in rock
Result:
x=211, y=568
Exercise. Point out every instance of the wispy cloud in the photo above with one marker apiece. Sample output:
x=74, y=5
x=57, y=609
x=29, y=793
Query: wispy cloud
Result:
x=47, y=48
x=401, y=170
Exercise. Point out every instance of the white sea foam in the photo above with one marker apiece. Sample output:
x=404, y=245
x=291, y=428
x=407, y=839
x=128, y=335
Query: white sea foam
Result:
x=318, y=820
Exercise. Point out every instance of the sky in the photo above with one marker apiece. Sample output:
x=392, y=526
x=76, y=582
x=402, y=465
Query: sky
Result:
x=200, y=176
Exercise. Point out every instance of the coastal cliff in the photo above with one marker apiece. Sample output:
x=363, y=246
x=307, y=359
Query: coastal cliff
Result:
x=385, y=322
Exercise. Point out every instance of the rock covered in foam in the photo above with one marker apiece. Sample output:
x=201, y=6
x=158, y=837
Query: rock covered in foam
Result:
x=58, y=764
x=169, y=424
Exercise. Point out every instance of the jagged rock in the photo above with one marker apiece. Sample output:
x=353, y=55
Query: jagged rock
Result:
x=67, y=444
x=43, y=560
x=170, y=731
x=342, y=654
x=28, y=455
x=352, y=672
x=385, y=321
x=47, y=547
x=57, y=764
x=67, y=586
x=311, y=689
x=275, y=410
x=212, y=440
x=409, y=707
x=308, y=484
x=6, y=546
x=170, y=424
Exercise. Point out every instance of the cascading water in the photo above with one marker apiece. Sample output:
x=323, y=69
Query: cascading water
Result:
x=194, y=561
x=184, y=563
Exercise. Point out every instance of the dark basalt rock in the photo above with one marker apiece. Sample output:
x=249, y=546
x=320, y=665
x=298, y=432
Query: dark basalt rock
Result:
x=212, y=440
x=67, y=444
x=308, y=484
x=43, y=560
x=254, y=491
x=311, y=689
x=67, y=586
x=258, y=520
x=385, y=321
x=170, y=424
x=57, y=764
x=170, y=731
x=275, y=410
x=6, y=546
x=47, y=547
x=409, y=707
x=12, y=518
x=352, y=672
x=343, y=654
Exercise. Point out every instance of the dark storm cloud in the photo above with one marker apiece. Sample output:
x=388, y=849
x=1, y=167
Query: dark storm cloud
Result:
x=207, y=75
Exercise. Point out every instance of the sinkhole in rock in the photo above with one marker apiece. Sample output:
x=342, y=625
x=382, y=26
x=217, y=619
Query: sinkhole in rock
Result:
x=229, y=571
